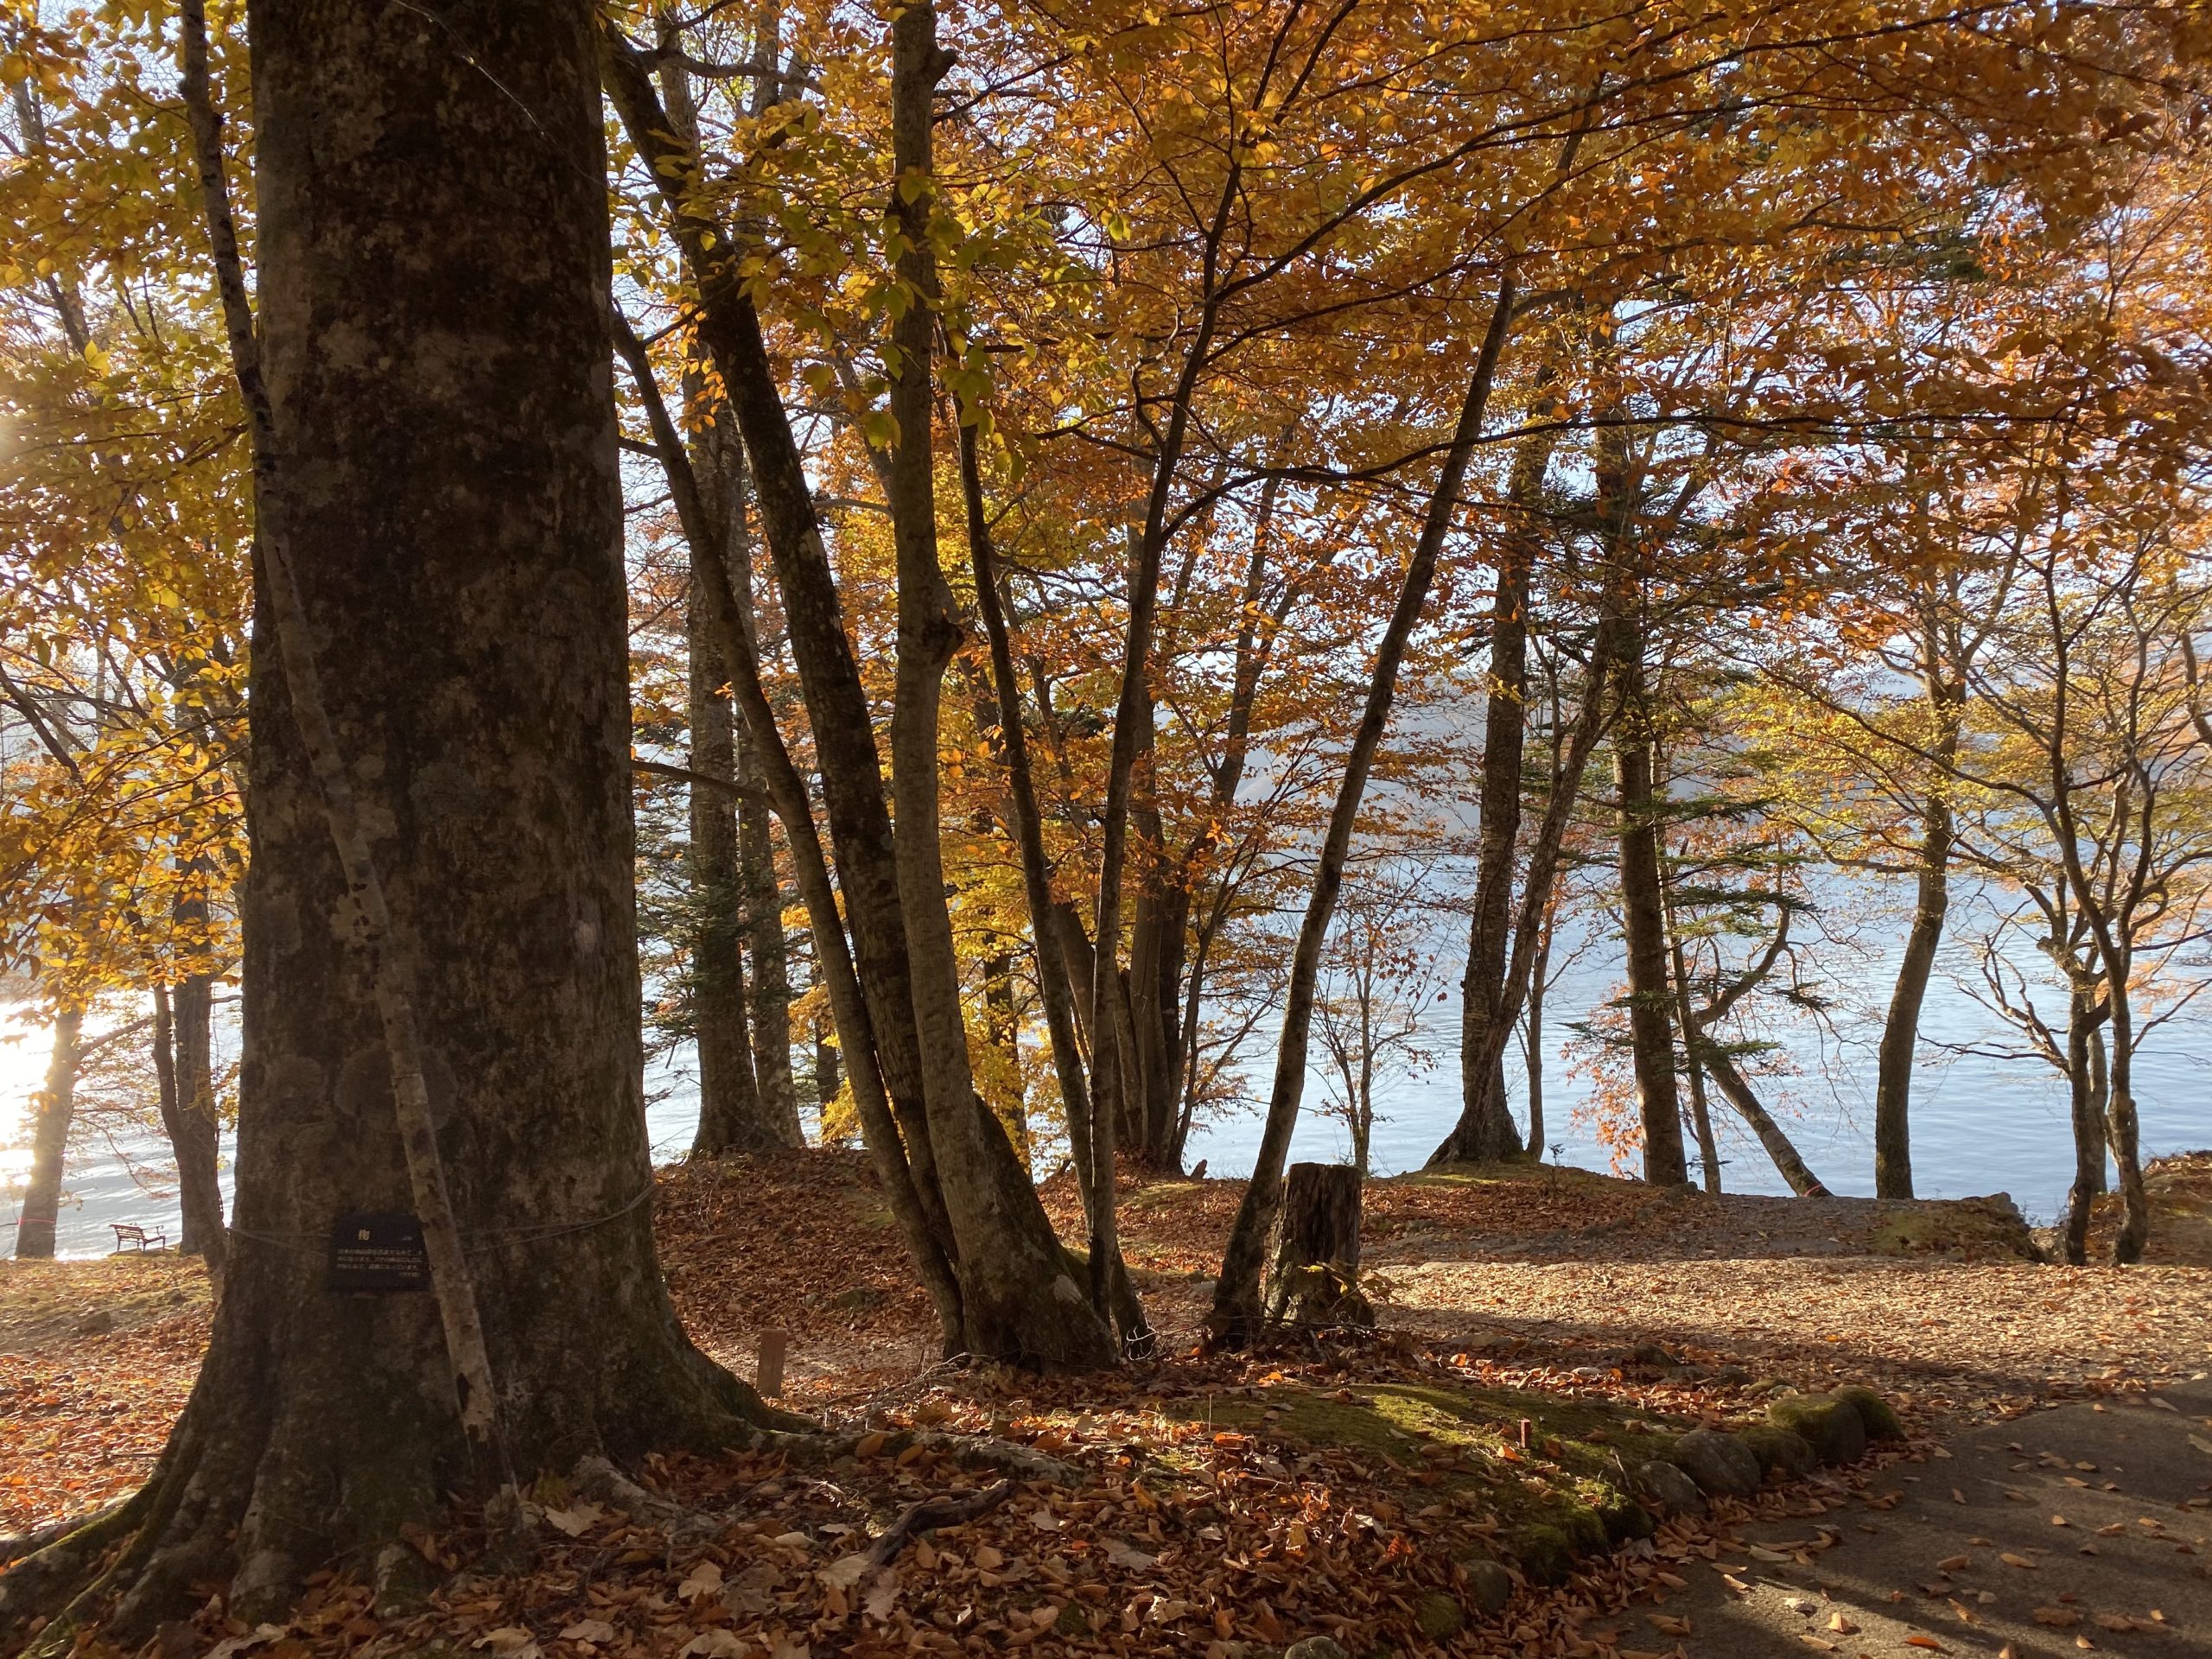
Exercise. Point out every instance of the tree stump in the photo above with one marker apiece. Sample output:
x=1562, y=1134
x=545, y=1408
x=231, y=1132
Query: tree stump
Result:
x=1315, y=1279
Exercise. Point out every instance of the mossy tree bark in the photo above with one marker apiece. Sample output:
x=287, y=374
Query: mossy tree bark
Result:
x=433, y=280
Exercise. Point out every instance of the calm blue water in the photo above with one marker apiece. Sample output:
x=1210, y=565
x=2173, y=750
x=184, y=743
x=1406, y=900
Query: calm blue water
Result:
x=1980, y=1124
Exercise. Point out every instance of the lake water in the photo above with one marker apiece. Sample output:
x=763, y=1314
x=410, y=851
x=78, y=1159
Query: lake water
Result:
x=1980, y=1124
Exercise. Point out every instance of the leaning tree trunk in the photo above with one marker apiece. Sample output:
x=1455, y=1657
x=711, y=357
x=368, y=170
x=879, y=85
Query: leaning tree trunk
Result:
x=1779, y=1148
x=51, y=1110
x=1314, y=1278
x=1236, y=1298
x=439, y=431
x=196, y=1134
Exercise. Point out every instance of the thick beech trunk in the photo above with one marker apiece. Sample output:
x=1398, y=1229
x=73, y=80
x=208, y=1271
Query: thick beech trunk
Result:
x=51, y=1109
x=195, y=1131
x=434, y=286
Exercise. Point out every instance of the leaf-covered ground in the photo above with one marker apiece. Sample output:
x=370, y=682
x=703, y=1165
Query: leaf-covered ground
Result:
x=1543, y=1331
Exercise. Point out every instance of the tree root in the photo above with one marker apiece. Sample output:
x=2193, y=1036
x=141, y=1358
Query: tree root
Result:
x=30, y=1543
x=57, y=1575
x=948, y=1510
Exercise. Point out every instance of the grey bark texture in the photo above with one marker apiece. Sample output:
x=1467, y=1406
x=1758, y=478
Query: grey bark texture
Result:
x=434, y=272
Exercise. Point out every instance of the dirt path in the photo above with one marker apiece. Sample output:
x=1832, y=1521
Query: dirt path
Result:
x=1973, y=1558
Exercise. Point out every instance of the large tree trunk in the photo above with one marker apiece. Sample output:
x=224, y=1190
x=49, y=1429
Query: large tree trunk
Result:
x=51, y=1109
x=731, y=1115
x=1643, y=928
x=196, y=1134
x=2122, y=1128
x=433, y=239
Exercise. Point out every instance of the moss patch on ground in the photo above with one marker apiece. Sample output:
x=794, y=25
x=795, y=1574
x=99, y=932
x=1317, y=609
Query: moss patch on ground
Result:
x=1564, y=1494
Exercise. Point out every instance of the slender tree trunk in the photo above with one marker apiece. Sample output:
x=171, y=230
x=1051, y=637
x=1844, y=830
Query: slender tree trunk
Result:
x=769, y=982
x=51, y=1109
x=1237, y=1307
x=827, y=1080
x=1486, y=1131
x=1052, y=924
x=1932, y=899
x=2083, y=1019
x=1779, y=1148
x=1011, y=1265
x=1708, y=1145
x=2122, y=1128
x=1643, y=927
x=1533, y=1033
x=196, y=1134
x=1001, y=1234
x=731, y=1115
x=464, y=511
x=908, y=1186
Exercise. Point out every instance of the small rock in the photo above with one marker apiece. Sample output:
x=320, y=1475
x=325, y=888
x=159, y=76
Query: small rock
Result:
x=1489, y=1586
x=1648, y=1353
x=1315, y=1646
x=1735, y=1376
x=97, y=1323
x=1588, y=1373
x=1722, y=1465
x=1799, y=1604
x=1672, y=1491
x=1438, y=1616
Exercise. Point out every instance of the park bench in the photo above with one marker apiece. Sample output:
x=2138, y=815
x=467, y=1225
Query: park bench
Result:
x=129, y=1235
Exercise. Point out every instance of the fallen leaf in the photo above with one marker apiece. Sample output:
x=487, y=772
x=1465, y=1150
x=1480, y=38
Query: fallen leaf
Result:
x=576, y=1520
x=1669, y=1625
x=2021, y=1561
x=2056, y=1619
x=591, y=1631
x=1953, y=1563
x=1927, y=1641
x=1841, y=1625
x=717, y=1643
x=704, y=1579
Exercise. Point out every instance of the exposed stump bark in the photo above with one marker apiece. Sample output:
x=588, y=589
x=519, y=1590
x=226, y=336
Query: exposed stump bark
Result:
x=1314, y=1280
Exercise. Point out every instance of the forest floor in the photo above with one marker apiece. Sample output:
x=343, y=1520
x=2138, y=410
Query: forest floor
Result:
x=1542, y=1330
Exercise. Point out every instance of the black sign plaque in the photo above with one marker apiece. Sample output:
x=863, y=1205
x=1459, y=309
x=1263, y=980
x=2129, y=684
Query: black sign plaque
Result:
x=377, y=1255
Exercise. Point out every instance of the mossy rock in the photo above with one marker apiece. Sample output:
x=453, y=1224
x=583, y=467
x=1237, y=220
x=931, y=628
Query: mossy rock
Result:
x=1625, y=1521
x=1544, y=1552
x=1489, y=1585
x=1832, y=1427
x=1877, y=1415
x=1784, y=1449
x=1439, y=1616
